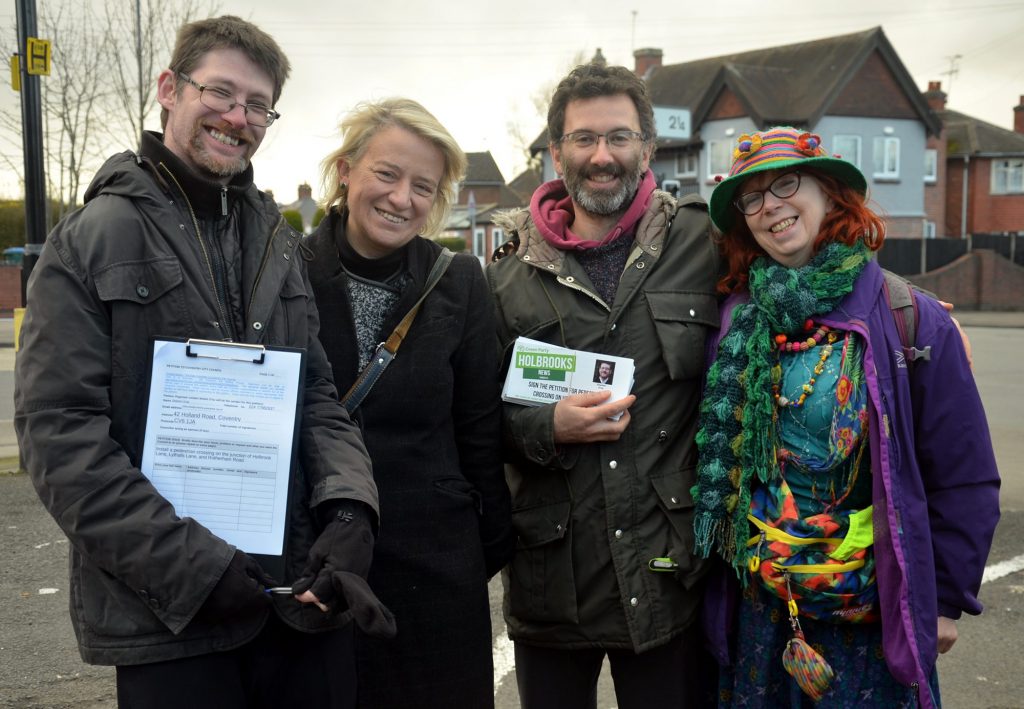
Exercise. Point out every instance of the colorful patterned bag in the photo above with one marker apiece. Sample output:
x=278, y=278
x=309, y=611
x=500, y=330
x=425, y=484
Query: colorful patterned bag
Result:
x=822, y=566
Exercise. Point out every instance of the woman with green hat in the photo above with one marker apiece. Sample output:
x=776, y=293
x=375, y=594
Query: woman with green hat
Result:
x=852, y=490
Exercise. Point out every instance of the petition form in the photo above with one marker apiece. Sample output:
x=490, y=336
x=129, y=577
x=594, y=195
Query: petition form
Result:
x=219, y=435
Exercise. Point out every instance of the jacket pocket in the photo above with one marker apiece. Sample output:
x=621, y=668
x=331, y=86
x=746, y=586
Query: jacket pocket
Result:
x=542, y=587
x=681, y=321
x=144, y=298
x=110, y=612
x=141, y=282
x=460, y=489
x=674, y=499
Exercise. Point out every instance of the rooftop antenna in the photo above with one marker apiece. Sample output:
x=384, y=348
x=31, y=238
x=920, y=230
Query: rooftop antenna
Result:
x=632, y=38
x=954, y=69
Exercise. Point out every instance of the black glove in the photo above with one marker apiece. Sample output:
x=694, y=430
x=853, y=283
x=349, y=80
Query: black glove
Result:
x=239, y=592
x=339, y=561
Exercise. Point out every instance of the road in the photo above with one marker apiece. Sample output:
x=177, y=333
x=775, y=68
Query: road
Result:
x=39, y=664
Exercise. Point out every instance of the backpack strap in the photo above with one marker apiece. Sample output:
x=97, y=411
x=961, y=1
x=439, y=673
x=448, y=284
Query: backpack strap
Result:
x=902, y=301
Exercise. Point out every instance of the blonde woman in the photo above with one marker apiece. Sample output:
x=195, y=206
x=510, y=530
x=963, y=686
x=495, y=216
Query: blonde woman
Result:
x=431, y=422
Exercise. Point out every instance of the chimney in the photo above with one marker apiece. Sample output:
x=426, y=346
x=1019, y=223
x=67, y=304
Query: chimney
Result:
x=1018, y=116
x=598, y=58
x=935, y=96
x=646, y=61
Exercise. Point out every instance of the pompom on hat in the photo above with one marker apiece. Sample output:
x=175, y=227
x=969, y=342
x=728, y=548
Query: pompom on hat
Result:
x=776, y=149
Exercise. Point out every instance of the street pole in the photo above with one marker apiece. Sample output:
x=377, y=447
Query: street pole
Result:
x=32, y=143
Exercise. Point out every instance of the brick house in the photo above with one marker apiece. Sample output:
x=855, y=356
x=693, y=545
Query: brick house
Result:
x=984, y=186
x=485, y=190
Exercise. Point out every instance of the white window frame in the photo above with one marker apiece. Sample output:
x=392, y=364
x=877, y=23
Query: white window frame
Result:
x=852, y=155
x=890, y=153
x=1007, y=176
x=928, y=229
x=725, y=146
x=687, y=164
x=497, y=239
x=479, y=240
x=931, y=166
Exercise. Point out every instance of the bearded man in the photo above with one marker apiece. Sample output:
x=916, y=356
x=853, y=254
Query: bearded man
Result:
x=604, y=262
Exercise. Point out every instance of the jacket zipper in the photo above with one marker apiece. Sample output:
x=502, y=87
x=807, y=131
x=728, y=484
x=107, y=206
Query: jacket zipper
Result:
x=221, y=307
x=263, y=264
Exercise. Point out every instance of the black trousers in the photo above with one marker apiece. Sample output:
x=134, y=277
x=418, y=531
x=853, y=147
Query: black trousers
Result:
x=278, y=669
x=667, y=677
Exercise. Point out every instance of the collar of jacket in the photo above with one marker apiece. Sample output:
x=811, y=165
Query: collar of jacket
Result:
x=209, y=199
x=534, y=250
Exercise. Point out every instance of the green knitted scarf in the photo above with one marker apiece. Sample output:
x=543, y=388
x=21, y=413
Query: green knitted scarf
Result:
x=736, y=439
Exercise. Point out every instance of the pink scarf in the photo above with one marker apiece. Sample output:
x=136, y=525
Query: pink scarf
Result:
x=552, y=212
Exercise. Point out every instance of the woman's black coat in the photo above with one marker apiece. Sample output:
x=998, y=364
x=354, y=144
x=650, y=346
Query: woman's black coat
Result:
x=432, y=428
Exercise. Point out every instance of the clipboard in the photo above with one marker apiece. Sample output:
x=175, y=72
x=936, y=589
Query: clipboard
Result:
x=220, y=438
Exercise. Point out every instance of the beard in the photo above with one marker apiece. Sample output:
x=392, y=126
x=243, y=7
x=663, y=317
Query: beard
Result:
x=217, y=166
x=602, y=202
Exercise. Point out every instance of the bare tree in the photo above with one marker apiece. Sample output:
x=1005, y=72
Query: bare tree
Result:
x=102, y=84
x=72, y=98
x=141, y=34
x=540, y=99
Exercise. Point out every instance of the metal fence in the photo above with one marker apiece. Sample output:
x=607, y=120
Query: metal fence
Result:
x=911, y=256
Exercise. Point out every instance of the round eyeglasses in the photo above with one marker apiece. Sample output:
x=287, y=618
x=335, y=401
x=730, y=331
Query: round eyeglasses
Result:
x=783, y=186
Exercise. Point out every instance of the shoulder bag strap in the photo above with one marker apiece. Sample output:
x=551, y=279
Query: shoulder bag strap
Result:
x=387, y=350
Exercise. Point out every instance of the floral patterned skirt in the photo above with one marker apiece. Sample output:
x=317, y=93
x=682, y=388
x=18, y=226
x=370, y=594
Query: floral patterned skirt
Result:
x=758, y=680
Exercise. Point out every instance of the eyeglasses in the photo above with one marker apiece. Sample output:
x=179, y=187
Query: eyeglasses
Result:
x=615, y=140
x=783, y=186
x=221, y=101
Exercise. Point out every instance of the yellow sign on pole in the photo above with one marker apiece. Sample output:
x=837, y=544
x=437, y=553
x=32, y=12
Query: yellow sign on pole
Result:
x=15, y=73
x=38, y=53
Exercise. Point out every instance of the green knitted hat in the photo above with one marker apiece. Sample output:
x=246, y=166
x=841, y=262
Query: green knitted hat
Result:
x=774, y=149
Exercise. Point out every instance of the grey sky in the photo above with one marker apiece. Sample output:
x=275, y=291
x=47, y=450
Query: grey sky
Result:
x=476, y=65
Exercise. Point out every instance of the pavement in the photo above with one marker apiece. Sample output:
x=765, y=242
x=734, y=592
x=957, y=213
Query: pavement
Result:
x=9, y=444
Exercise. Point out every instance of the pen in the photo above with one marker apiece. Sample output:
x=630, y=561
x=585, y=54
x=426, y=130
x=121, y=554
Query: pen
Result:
x=282, y=590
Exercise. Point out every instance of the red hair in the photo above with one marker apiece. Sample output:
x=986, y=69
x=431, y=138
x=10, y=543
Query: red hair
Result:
x=850, y=220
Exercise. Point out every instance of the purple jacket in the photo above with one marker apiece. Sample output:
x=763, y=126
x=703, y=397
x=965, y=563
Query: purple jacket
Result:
x=935, y=488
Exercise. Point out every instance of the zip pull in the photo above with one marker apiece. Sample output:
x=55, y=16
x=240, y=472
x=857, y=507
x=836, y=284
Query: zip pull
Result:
x=662, y=563
x=754, y=563
x=791, y=603
x=224, y=201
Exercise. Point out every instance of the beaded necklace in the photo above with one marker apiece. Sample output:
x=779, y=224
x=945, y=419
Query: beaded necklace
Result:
x=782, y=344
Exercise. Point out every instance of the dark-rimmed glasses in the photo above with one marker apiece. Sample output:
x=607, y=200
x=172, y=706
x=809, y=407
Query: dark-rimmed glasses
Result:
x=221, y=101
x=614, y=139
x=783, y=186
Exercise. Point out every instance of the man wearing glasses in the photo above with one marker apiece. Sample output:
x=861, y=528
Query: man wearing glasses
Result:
x=176, y=241
x=604, y=262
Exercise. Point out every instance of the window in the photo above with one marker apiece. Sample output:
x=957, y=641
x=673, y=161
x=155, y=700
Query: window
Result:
x=887, y=158
x=479, y=243
x=931, y=165
x=719, y=158
x=848, y=148
x=928, y=229
x=497, y=238
x=686, y=164
x=1008, y=176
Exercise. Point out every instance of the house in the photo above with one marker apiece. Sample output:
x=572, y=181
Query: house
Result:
x=984, y=185
x=481, y=194
x=853, y=90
